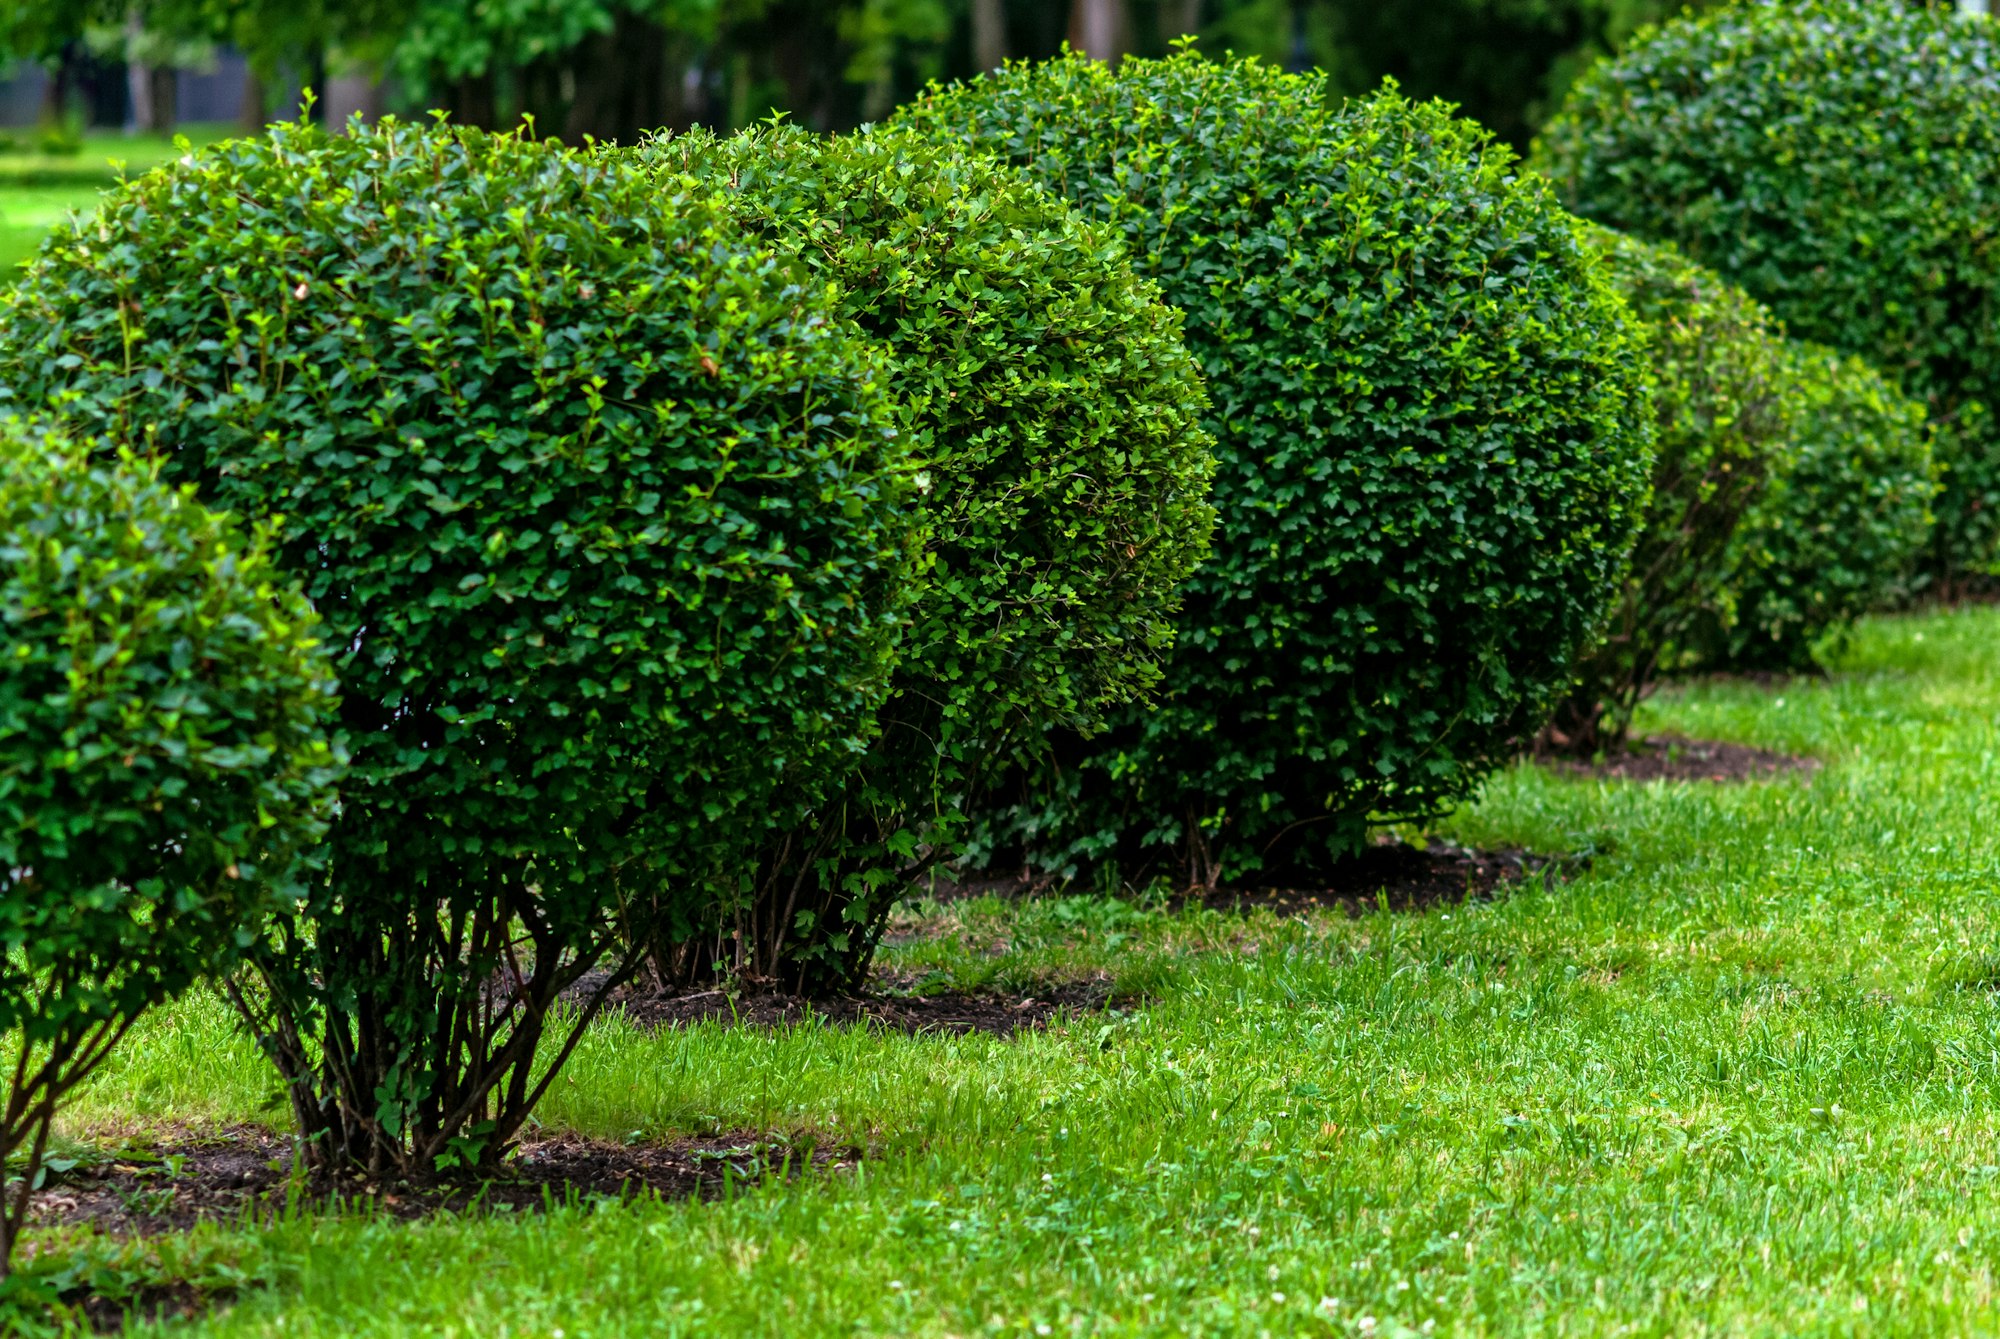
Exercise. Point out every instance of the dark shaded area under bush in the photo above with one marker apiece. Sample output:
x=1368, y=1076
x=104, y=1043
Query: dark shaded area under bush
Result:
x=241, y=1170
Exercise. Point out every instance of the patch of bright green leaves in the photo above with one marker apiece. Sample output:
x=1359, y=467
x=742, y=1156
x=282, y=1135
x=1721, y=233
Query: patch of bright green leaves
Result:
x=164, y=762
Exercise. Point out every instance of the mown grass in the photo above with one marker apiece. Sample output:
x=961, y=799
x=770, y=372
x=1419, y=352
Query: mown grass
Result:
x=1737, y=1078
x=39, y=190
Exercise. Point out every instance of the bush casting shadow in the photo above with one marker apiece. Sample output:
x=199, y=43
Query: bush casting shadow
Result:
x=1674, y=758
x=951, y=1013
x=246, y=1173
x=1387, y=872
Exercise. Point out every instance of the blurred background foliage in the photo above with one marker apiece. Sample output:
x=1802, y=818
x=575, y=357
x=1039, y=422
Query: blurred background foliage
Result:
x=615, y=68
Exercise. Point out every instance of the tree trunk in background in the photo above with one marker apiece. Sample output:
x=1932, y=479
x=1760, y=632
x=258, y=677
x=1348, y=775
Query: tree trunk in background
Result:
x=163, y=86
x=1099, y=29
x=138, y=79
x=989, y=34
x=1179, y=18
x=61, y=83
x=622, y=83
x=139, y=91
x=256, y=113
x=472, y=101
x=357, y=90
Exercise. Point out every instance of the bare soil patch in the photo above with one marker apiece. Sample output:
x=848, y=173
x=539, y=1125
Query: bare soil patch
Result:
x=149, y=1303
x=1673, y=758
x=953, y=1013
x=1406, y=877
x=1395, y=874
x=245, y=1171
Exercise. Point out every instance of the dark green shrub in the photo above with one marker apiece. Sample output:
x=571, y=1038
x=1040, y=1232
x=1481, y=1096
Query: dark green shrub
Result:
x=163, y=761
x=1432, y=444
x=1720, y=369
x=1840, y=161
x=605, y=516
x=1839, y=530
x=1056, y=415
x=1790, y=491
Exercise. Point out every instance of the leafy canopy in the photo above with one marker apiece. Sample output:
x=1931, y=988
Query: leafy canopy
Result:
x=1840, y=530
x=1722, y=404
x=164, y=762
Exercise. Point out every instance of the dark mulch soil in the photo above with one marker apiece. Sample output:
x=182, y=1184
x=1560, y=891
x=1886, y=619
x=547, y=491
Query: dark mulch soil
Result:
x=1671, y=758
x=243, y=1173
x=246, y=1170
x=1395, y=873
x=954, y=1013
x=152, y=1304
x=1408, y=878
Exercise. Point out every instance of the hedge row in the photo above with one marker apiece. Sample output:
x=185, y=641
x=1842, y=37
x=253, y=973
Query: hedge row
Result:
x=696, y=527
x=708, y=537
x=1839, y=159
x=606, y=512
x=1790, y=494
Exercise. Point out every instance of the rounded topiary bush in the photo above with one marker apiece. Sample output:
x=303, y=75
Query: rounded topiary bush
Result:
x=1432, y=447
x=164, y=763
x=1839, y=530
x=1790, y=491
x=605, y=515
x=1840, y=161
x=1722, y=398
x=1057, y=419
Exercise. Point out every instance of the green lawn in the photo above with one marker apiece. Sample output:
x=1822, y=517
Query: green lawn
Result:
x=1739, y=1078
x=38, y=191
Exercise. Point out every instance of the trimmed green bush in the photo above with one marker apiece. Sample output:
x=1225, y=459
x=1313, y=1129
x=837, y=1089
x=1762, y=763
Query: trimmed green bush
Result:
x=1840, y=529
x=1057, y=418
x=164, y=763
x=1790, y=494
x=606, y=515
x=1722, y=390
x=1841, y=162
x=1432, y=446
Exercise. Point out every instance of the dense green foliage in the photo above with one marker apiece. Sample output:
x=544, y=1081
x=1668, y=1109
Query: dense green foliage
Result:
x=1055, y=415
x=164, y=760
x=1791, y=493
x=1841, y=161
x=1721, y=396
x=605, y=515
x=1432, y=443
x=1839, y=529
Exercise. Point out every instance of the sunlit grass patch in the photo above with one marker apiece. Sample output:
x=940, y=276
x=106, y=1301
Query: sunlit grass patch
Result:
x=1738, y=1075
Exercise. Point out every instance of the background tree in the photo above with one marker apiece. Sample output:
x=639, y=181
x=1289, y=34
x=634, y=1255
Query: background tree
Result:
x=617, y=68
